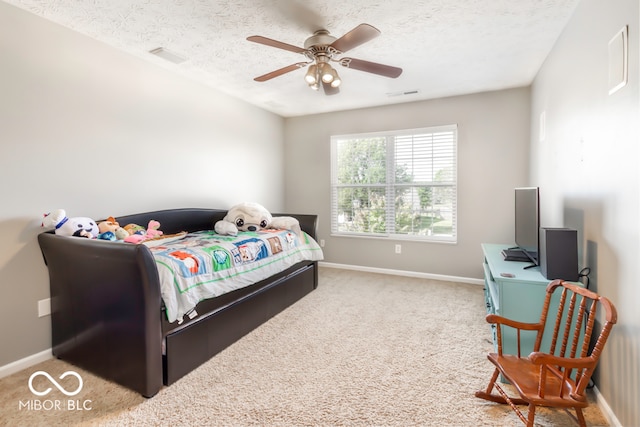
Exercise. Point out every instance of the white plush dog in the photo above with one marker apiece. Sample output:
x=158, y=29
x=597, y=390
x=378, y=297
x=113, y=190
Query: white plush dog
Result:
x=253, y=217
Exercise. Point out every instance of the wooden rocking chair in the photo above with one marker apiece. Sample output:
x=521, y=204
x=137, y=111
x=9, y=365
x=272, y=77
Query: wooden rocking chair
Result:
x=553, y=379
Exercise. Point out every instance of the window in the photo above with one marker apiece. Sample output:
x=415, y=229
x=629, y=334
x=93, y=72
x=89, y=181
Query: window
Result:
x=399, y=184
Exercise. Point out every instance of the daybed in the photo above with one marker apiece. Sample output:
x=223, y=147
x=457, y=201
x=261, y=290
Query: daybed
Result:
x=108, y=315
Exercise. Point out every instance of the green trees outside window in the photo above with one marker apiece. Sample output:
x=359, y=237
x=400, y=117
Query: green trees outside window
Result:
x=395, y=184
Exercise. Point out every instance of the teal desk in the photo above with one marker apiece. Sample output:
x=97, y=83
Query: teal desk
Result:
x=519, y=297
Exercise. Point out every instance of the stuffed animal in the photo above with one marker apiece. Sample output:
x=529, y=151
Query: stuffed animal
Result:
x=65, y=226
x=250, y=216
x=140, y=234
x=153, y=229
x=110, y=230
x=134, y=229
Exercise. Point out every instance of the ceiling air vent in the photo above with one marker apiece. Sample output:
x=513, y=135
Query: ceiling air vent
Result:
x=167, y=55
x=402, y=93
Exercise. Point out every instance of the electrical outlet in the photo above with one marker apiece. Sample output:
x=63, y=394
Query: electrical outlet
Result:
x=322, y=243
x=44, y=307
x=398, y=249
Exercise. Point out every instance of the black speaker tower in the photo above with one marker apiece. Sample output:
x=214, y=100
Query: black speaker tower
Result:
x=558, y=253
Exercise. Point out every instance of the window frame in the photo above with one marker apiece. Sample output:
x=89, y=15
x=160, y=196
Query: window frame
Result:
x=390, y=165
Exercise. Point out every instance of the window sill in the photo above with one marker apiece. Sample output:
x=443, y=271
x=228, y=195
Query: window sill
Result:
x=398, y=237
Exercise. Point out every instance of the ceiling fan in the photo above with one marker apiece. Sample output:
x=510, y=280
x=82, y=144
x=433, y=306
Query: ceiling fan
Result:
x=322, y=48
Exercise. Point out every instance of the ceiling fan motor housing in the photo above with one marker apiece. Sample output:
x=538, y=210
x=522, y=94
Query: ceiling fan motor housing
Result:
x=319, y=38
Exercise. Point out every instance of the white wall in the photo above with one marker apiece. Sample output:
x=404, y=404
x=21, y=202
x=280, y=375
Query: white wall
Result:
x=493, y=141
x=587, y=167
x=97, y=132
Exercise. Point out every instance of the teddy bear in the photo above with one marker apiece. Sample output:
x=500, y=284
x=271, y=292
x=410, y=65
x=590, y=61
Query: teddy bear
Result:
x=249, y=216
x=76, y=226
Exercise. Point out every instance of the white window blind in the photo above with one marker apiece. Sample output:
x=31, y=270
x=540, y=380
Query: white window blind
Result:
x=398, y=184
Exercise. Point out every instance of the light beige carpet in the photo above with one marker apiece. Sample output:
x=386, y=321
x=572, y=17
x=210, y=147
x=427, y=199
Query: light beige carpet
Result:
x=362, y=350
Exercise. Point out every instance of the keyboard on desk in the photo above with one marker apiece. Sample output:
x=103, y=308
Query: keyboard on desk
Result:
x=514, y=255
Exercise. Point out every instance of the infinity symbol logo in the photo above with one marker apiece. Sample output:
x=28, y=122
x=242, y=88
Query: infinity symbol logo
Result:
x=58, y=386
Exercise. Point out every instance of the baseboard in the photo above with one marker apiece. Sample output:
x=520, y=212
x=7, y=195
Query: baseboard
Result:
x=606, y=409
x=403, y=273
x=25, y=363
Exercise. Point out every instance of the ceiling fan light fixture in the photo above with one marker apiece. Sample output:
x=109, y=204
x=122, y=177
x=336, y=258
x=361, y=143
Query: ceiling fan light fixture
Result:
x=326, y=72
x=314, y=86
x=312, y=74
x=335, y=82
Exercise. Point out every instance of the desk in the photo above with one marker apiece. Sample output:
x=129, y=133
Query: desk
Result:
x=519, y=297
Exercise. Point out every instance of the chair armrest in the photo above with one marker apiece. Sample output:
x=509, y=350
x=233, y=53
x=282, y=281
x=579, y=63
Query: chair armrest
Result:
x=518, y=326
x=539, y=358
x=497, y=319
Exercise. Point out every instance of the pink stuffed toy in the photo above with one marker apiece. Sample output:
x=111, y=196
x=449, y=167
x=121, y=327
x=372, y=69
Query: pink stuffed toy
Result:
x=153, y=229
x=151, y=232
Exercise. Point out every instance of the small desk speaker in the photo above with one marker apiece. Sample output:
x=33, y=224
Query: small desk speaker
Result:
x=558, y=253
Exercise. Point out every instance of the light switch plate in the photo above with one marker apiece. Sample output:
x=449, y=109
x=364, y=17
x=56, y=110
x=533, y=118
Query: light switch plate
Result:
x=44, y=307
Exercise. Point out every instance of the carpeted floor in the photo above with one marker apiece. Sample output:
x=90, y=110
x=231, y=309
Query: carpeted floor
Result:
x=362, y=350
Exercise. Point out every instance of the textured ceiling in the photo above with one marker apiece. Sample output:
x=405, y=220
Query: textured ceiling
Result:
x=445, y=47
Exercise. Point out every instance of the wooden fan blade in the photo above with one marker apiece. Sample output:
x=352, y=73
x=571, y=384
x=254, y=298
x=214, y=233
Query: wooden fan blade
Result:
x=359, y=35
x=275, y=43
x=371, y=67
x=280, y=72
x=330, y=90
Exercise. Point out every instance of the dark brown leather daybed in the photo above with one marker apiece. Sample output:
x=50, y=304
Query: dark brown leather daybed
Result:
x=108, y=314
